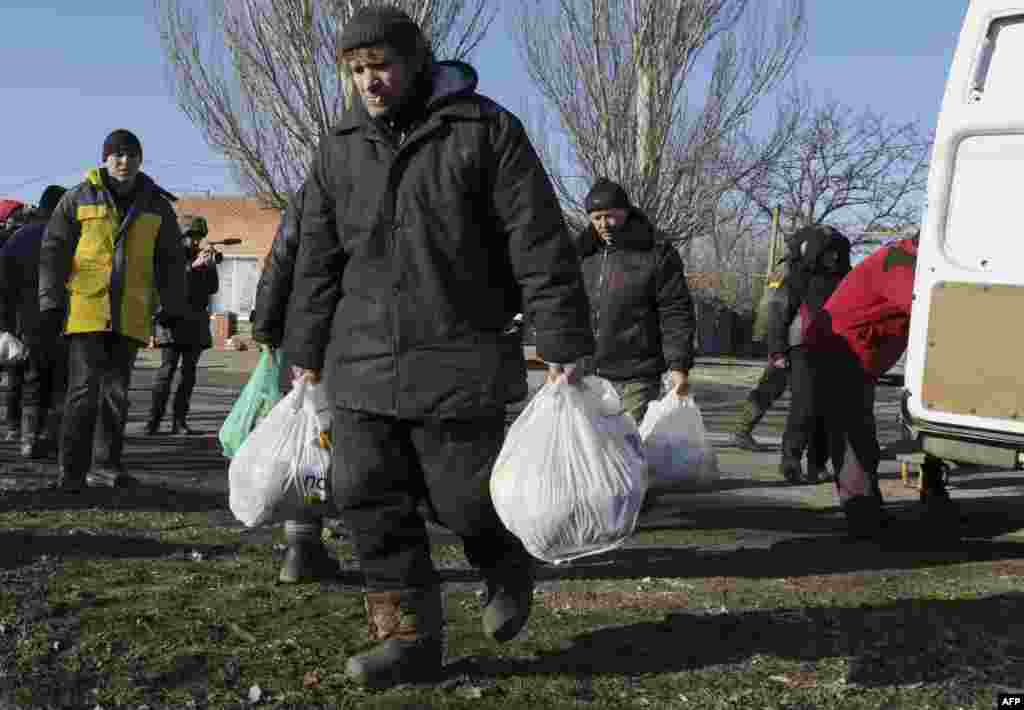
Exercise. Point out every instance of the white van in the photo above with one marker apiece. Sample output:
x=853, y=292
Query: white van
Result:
x=964, y=398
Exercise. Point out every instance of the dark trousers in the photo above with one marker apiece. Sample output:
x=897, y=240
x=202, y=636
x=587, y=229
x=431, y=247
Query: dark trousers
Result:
x=170, y=357
x=45, y=377
x=384, y=468
x=773, y=382
x=11, y=381
x=99, y=375
x=806, y=428
x=848, y=401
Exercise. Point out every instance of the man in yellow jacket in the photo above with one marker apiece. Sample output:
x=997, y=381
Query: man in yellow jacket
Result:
x=112, y=247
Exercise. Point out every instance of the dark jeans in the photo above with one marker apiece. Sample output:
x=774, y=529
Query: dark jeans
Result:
x=99, y=375
x=45, y=377
x=806, y=427
x=11, y=381
x=170, y=357
x=773, y=382
x=385, y=467
x=848, y=401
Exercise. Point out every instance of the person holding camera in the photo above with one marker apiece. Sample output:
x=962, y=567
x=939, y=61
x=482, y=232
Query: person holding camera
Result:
x=184, y=341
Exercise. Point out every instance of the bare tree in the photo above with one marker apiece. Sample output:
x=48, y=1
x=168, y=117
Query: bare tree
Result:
x=262, y=81
x=850, y=168
x=654, y=94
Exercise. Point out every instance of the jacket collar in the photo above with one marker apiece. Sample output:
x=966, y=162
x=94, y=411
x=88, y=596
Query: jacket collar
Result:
x=450, y=81
x=145, y=186
x=636, y=235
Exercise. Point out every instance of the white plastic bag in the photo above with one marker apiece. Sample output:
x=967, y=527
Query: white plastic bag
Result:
x=12, y=350
x=571, y=477
x=284, y=465
x=676, y=444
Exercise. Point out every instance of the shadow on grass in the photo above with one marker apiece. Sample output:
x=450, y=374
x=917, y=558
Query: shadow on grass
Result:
x=143, y=497
x=21, y=547
x=907, y=641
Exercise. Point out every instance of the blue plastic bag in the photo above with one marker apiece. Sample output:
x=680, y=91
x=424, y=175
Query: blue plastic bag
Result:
x=259, y=396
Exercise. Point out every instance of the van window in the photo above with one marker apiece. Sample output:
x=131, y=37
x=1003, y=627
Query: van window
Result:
x=983, y=222
x=997, y=65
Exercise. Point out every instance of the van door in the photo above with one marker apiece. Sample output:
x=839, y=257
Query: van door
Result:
x=965, y=361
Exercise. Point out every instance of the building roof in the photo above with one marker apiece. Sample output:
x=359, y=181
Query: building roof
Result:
x=239, y=217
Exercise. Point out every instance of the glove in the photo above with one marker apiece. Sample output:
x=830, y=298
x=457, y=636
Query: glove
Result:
x=48, y=329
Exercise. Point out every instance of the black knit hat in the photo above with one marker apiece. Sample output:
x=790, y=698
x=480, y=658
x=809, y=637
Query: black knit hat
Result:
x=382, y=25
x=51, y=196
x=606, y=195
x=119, y=141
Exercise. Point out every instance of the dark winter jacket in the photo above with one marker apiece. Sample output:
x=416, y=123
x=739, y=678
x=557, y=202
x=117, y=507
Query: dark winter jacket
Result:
x=822, y=262
x=420, y=248
x=641, y=311
x=868, y=316
x=193, y=329
x=275, y=285
x=19, y=279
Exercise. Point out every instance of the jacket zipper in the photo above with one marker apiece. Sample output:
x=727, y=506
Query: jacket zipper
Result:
x=601, y=281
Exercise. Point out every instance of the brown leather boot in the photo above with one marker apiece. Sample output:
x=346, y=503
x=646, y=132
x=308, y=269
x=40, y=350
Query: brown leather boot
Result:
x=408, y=625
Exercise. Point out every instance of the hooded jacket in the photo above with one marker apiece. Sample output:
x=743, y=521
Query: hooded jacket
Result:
x=868, y=315
x=640, y=306
x=819, y=263
x=104, y=267
x=420, y=246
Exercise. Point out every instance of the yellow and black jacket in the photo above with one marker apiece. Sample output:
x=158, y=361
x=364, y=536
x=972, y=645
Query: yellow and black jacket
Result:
x=106, y=268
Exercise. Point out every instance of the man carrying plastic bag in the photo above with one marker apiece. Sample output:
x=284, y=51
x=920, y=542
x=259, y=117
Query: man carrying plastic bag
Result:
x=675, y=443
x=571, y=478
x=428, y=223
x=282, y=467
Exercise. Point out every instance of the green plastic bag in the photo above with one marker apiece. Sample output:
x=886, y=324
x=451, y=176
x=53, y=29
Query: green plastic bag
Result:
x=259, y=396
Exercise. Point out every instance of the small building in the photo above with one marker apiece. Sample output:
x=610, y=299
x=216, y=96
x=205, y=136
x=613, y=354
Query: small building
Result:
x=239, y=217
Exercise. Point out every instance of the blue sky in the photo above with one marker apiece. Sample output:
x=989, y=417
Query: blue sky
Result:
x=74, y=70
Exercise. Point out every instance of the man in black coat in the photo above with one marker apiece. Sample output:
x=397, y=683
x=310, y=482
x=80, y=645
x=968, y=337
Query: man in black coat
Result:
x=183, y=342
x=43, y=374
x=306, y=559
x=822, y=261
x=641, y=311
x=429, y=223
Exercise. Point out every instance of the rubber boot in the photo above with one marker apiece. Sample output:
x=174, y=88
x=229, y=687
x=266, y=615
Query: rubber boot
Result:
x=743, y=434
x=507, y=601
x=791, y=469
x=939, y=513
x=31, y=431
x=69, y=480
x=306, y=559
x=408, y=626
x=157, y=408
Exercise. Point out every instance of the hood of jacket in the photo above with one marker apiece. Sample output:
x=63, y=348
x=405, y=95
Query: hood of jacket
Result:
x=144, y=184
x=448, y=81
x=636, y=234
